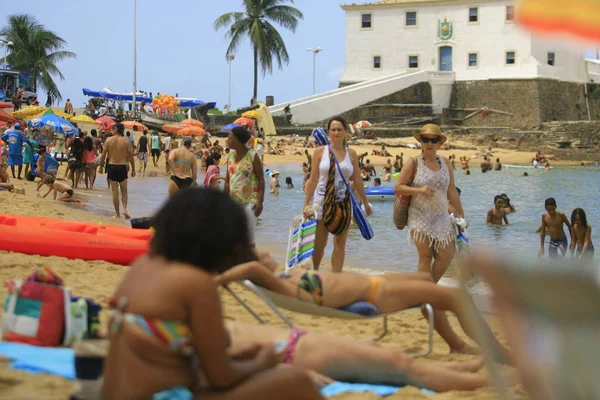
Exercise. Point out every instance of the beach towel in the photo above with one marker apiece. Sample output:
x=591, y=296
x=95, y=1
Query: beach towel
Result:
x=341, y=387
x=301, y=243
x=34, y=359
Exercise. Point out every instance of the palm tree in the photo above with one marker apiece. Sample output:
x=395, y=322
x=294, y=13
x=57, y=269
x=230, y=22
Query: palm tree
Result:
x=255, y=23
x=35, y=51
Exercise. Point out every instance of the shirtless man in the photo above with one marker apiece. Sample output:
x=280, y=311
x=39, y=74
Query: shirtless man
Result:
x=184, y=167
x=553, y=220
x=118, y=150
x=370, y=168
x=497, y=214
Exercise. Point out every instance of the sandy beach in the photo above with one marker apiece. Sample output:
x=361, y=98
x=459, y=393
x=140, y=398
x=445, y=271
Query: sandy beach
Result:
x=98, y=280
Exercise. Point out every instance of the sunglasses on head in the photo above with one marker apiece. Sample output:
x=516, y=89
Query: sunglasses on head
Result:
x=434, y=140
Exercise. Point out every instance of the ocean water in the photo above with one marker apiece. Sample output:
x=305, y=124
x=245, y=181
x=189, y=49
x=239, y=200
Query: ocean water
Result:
x=389, y=250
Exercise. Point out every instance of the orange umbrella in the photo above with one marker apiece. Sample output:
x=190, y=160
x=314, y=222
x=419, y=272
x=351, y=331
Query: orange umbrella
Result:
x=244, y=121
x=192, y=122
x=131, y=124
x=191, y=131
x=576, y=17
x=105, y=122
x=172, y=128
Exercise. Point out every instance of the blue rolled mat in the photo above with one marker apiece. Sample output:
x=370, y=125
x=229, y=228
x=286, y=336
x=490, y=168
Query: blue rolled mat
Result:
x=380, y=390
x=34, y=359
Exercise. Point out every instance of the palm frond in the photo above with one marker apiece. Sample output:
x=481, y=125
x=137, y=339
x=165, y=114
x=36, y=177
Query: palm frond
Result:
x=286, y=16
x=226, y=19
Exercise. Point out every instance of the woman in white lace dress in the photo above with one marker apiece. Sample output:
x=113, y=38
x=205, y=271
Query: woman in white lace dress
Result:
x=429, y=223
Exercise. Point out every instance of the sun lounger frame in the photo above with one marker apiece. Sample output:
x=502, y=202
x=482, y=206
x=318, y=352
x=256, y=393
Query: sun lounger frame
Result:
x=276, y=301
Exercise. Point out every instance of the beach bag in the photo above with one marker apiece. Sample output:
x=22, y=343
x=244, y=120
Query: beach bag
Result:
x=401, y=204
x=301, y=242
x=34, y=311
x=357, y=213
x=336, y=214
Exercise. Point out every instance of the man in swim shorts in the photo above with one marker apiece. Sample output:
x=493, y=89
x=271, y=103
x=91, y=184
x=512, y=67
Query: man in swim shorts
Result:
x=553, y=221
x=117, y=151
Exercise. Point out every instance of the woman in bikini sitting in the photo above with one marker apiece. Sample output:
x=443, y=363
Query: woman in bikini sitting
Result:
x=389, y=292
x=346, y=360
x=184, y=168
x=166, y=329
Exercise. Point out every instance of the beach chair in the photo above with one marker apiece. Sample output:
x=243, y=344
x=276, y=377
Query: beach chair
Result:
x=276, y=301
x=301, y=241
x=560, y=304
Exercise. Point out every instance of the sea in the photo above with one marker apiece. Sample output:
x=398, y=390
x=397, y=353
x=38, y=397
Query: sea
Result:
x=390, y=250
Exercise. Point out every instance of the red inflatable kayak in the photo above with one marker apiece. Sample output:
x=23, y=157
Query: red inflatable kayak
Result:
x=35, y=223
x=70, y=244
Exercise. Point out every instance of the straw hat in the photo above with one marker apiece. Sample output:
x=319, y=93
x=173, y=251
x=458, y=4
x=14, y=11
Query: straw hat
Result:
x=430, y=130
x=275, y=172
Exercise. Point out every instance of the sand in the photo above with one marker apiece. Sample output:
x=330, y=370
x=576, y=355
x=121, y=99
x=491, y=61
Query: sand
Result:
x=99, y=279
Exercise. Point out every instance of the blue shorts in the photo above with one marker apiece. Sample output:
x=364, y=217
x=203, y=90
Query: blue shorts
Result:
x=589, y=252
x=558, y=248
x=15, y=159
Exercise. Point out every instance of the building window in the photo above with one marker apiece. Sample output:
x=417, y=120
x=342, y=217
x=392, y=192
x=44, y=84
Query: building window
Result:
x=473, y=60
x=510, y=13
x=376, y=62
x=413, y=62
x=473, y=14
x=366, y=22
x=551, y=56
x=511, y=58
x=411, y=18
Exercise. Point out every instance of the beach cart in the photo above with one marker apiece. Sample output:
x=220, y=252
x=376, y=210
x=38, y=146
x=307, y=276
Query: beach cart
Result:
x=301, y=241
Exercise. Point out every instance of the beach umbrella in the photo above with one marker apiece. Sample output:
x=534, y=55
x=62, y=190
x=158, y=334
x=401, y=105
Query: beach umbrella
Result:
x=191, y=131
x=82, y=119
x=4, y=104
x=228, y=128
x=172, y=128
x=139, y=126
x=576, y=17
x=362, y=124
x=252, y=114
x=4, y=116
x=53, y=122
x=244, y=121
x=192, y=122
x=54, y=111
x=29, y=111
x=105, y=122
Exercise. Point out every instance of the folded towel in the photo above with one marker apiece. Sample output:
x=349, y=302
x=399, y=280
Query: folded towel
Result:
x=381, y=390
x=36, y=359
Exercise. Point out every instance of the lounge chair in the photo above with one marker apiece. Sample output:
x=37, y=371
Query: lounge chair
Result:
x=276, y=301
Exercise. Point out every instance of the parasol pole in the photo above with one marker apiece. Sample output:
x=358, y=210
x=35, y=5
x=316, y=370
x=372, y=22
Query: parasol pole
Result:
x=134, y=58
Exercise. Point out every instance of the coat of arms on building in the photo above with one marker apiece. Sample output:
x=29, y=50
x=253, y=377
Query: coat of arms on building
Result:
x=445, y=29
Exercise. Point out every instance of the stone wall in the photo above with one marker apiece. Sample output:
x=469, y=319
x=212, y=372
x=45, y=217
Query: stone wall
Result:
x=532, y=102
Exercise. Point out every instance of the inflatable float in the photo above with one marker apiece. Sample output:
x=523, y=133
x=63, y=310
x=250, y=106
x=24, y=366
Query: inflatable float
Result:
x=525, y=166
x=70, y=244
x=34, y=223
x=380, y=193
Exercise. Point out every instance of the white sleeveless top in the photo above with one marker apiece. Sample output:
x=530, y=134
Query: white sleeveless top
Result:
x=340, y=187
x=428, y=215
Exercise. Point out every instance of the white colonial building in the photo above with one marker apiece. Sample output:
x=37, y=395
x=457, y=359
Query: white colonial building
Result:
x=476, y=40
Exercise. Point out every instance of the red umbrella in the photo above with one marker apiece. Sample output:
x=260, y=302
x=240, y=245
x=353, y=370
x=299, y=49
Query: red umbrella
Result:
x=105, y=122
x=4, y=104
x=131, y=124
x=244, y=121
x=4, y=116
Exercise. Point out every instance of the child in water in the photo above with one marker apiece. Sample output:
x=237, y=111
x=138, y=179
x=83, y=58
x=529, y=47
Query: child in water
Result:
x=582, y=241
x=288, y=182
x=554, y=220
x=67, y=193
x=275, y=183
x=497, y=214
